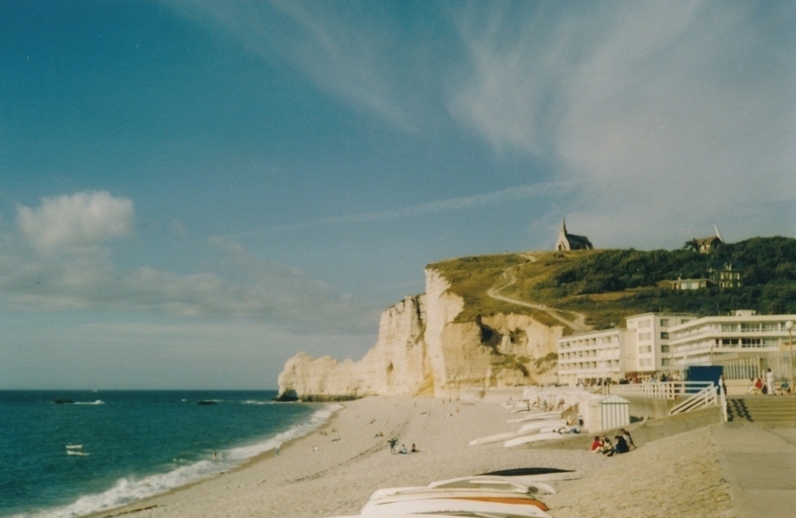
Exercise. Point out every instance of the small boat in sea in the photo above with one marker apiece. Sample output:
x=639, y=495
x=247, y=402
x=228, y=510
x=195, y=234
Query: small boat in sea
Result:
x=63, y=401
x=76, y=449
x=207, y=402
x=79, y=453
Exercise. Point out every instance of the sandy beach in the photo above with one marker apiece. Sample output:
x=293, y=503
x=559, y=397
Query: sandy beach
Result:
x=335, y=469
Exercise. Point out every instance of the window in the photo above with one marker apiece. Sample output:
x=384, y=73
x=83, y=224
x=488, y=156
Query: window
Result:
x=645, y=336
x=664, y=348
x=664, y=335
x=645, y=349
x=664, y=322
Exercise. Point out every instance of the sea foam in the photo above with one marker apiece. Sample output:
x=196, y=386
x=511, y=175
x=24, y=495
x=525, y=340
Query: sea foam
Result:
x=131, y=489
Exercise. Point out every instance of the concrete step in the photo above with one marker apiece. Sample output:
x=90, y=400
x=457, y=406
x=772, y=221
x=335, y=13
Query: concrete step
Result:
x=762, y=409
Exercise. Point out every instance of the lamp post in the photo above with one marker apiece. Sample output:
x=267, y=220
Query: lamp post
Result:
x=789, y=327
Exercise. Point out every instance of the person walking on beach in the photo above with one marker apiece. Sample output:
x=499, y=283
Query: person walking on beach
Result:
x=392, y=442
x=770, y=381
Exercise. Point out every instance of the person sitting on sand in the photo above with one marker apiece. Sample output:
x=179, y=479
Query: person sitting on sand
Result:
x=597, y=445
x=628, y=439
x=414, y=449
x=403, y=449
x=621, y=445
x=608, y=447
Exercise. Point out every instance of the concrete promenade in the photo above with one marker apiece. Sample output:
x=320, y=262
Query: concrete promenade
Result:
x=759, y=463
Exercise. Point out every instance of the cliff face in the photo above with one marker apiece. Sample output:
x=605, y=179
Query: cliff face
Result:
x=421, y=351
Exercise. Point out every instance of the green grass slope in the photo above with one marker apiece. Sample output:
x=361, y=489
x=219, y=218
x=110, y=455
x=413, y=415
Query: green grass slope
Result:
x=608, y=285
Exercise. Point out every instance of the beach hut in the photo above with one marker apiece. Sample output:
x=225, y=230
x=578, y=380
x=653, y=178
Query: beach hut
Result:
x=614, y=412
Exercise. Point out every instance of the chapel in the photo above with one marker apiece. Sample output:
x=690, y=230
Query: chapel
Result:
x=567, y=241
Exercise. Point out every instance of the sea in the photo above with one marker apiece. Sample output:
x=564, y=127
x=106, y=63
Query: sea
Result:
x=104, y=449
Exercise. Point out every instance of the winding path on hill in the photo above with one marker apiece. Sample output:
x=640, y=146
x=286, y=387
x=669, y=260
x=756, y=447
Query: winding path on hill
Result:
x=508, y=278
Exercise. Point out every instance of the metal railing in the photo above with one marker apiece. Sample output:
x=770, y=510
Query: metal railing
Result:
x=697, y=394
x=704, y=398
x=659, y=390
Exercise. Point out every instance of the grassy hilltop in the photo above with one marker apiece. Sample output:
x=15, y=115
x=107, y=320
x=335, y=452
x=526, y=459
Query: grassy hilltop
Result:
x=607, y=285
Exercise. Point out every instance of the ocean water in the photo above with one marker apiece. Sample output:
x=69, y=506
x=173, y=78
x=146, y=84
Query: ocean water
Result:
x=133, y=444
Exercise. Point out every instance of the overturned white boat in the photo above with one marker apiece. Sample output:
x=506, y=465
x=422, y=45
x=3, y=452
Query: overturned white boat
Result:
x=479, y=482
x=534, y=437
x=509, y=504
x=536, y=474
x=533, y=427
x=536, y=417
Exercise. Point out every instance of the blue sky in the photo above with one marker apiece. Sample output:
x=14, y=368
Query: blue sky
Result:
x=194, y=191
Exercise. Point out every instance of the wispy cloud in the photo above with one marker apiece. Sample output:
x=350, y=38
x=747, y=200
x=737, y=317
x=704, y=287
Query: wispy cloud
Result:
x=661, y=112
x=71, y=268
x=540, y=190
x=343, y=51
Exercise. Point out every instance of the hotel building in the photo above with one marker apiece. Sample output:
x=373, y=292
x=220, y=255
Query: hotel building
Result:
x=744, y=341
x=590, y=356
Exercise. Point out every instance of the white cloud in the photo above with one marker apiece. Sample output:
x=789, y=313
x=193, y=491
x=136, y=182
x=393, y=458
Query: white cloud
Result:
x=80, y=220
x=237, y=285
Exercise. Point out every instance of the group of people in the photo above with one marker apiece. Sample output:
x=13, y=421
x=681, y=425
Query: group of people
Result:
x=392, y=442
x=756, y=385
x=624, y=443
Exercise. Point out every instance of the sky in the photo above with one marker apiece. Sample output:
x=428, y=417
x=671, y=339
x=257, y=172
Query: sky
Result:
x=191, y=192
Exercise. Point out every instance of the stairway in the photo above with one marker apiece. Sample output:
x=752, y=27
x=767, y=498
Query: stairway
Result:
x=777, y=410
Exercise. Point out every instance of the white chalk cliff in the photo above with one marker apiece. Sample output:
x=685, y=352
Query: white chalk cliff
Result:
x=421, y=350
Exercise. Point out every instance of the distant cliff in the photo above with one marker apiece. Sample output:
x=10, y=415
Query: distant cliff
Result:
x=423, y=350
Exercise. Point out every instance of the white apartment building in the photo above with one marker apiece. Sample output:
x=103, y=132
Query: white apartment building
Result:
x=732, y=339
x=589, y=356
x=647, y=342
x=641, y=349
